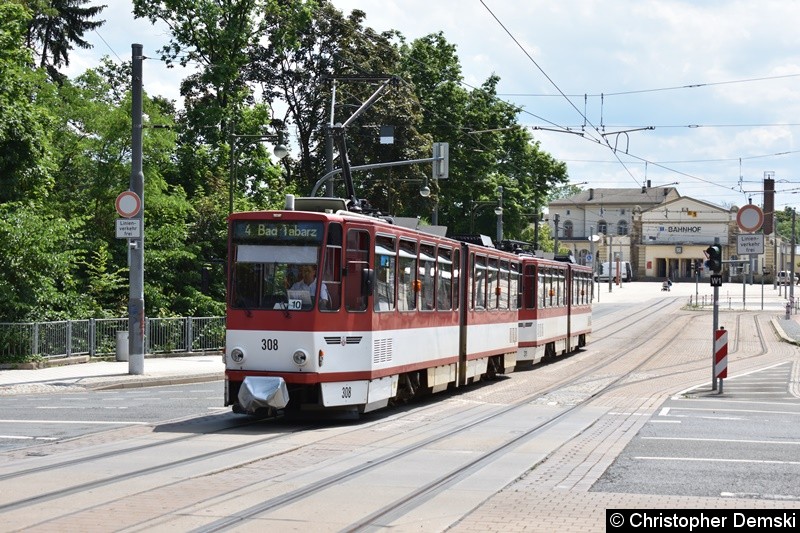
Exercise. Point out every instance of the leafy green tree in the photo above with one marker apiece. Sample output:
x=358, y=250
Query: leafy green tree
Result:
x=39, y=260
x=338, y=49
x=221, y=37
x=56, y=27
x=25, y=165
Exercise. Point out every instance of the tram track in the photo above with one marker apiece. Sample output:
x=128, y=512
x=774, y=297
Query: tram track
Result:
x=421, y=495
x=461, y=416
x=165, y=467
x=619, y=326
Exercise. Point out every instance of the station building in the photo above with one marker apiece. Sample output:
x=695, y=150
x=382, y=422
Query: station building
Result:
x=661, y=233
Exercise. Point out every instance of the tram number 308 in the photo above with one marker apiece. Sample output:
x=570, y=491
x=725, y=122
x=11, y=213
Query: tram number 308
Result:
x=269, y=344
x=347, y=392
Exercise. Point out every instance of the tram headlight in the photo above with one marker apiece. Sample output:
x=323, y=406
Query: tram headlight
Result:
x=237, y=355
x=300, y=357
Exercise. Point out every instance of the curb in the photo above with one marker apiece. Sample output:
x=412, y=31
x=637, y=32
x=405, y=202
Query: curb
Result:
x=782, y=334
x=157, y=382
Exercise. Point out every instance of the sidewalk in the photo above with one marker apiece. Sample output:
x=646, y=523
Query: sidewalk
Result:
x=113, y=374
x=190, y=369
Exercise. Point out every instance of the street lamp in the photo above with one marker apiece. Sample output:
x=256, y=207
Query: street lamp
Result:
x=280, y=151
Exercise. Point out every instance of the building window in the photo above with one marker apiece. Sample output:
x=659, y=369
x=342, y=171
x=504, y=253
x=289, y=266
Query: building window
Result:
x=568, y=229
x=622, y=211
x=568, y=211
x=602, y=227
x=622, y=227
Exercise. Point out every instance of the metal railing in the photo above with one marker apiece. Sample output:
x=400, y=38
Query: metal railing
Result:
x=97, y=337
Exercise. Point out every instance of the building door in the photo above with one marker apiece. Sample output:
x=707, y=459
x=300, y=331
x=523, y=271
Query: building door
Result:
x=661, y=268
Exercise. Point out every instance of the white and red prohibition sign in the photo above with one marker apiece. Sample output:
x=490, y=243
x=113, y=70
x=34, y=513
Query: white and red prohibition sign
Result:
x=750, y=218
x=128, y=204
x=721, y=353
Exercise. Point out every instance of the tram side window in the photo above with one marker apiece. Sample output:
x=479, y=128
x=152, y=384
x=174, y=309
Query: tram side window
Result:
x=444, y=282
x=492, y=284
x=357, y=258
x=503, y=296
x=427, y=275
x=514, y=287
x=407, y=276
x=589, y=288
x=577, y=288
x=561, y=281
x=385, y=264
x=546, y=284
x=573, y=296
x=478, y=282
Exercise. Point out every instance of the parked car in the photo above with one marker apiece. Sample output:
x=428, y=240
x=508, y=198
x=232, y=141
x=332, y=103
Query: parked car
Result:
x=785, y=277
x=626, y=272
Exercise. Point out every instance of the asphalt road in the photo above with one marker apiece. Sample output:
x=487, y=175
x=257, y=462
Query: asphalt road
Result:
x=29, y=419
x=744, y=443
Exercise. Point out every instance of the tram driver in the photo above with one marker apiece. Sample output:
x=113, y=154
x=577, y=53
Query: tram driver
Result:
x=308, y=283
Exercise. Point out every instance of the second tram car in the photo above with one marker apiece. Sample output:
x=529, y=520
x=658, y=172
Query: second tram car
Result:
x=555, y=314
x=338, y=310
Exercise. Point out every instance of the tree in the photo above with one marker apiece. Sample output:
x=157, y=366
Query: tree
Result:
x=39, y=260
x=25, y=123
x=221, y=36
x=338, y=49
x=56, y=27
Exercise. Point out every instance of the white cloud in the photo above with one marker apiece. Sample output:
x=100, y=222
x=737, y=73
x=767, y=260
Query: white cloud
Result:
x=593, y=47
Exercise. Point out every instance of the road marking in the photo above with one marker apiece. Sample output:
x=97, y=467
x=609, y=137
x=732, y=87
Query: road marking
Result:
x=80, y=407
x=717, y=460
x=23, y=437
x=737, y=410
x=85, y=422
x=664, y=411
x=757, y=496
x=745, y=441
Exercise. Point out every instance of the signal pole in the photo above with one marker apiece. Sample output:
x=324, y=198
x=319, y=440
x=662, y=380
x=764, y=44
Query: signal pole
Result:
x=136, y=317
x=714, y=264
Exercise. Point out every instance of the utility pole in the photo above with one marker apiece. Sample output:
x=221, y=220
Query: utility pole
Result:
x=555, y=233
x=136, y=315
x=329, y=143
x=499, y=212
x=591, y=253
x=610, y=260
x=791, y=271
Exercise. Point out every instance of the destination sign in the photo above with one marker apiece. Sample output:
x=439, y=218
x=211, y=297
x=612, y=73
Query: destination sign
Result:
x=274, y=231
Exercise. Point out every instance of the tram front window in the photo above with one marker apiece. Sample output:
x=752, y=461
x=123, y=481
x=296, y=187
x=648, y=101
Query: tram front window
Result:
x=275, y=265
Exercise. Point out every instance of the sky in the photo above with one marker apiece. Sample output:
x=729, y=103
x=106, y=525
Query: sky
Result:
x=700, y=95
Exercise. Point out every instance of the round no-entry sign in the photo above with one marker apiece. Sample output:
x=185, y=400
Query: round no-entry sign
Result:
x=750, y=218
x=128, y=204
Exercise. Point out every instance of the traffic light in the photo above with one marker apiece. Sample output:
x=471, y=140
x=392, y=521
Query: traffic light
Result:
x=714, y=261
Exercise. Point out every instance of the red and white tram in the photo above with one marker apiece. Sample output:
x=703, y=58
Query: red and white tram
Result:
x=392, y=312
x=555, y=314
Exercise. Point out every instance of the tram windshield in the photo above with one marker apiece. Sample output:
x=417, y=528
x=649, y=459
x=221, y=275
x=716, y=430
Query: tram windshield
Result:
x=275, y=265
